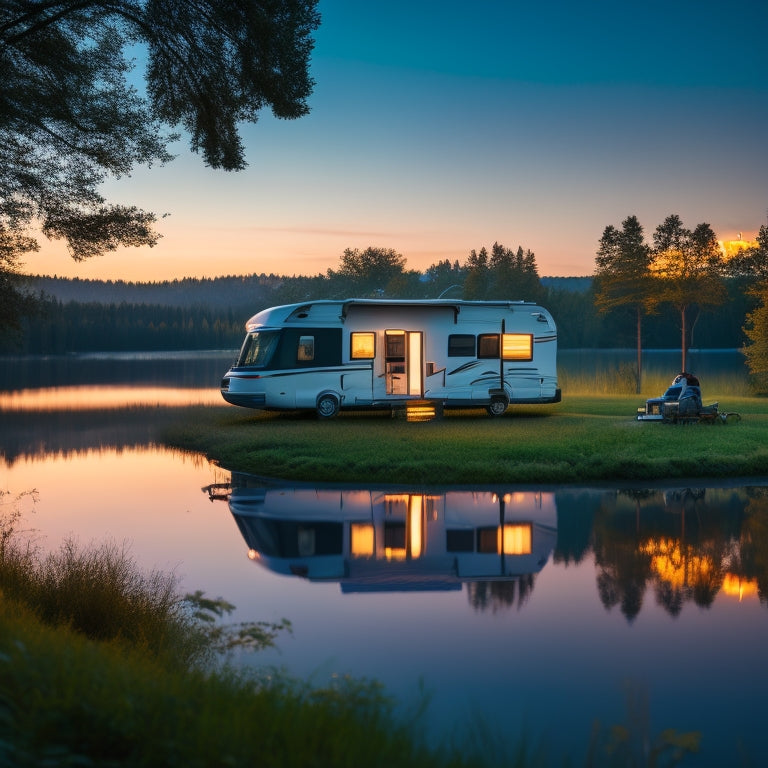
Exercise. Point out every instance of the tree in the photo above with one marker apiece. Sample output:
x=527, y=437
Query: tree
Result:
x=755, y=264
x=688, y=268
x=70, y=116
x=368, y=272
x=514, y=274
x=623, y=277
x=504, y=274
x=14, y=301
x=445, y=279
x=477, y=280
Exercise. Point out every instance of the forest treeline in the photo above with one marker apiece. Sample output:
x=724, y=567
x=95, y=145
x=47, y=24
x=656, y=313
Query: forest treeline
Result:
x=92, y=316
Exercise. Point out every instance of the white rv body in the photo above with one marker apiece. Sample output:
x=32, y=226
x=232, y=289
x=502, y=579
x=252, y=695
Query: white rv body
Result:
x=367, y=353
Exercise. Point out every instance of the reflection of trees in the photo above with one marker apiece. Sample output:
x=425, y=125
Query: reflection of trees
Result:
x=36, y=434
x=681, y=542
x=623, y=568
x=500, y=595
x=575, y=513
x=750, y=560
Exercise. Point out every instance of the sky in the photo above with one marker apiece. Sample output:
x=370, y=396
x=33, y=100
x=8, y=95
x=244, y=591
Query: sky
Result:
x=438, y=127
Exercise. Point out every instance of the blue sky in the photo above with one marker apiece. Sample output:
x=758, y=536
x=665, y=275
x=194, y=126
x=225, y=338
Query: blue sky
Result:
x=439, y=127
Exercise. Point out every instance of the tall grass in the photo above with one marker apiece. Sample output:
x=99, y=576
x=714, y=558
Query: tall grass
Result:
x=102, y=664
x=621, y=379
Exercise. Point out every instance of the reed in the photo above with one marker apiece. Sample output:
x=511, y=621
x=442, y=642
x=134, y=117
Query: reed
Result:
x=621, y=379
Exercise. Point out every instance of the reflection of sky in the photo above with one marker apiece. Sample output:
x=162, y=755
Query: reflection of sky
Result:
x=555, y=663
x=83, y=397
x=437, y=128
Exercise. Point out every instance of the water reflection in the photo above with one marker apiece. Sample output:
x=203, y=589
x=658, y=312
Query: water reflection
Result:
x=371, y=540
x=82, y=398
x=38, y=435
x=681, y=546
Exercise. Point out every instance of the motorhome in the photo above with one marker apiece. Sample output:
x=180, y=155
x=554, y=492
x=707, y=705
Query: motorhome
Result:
x=367, y=353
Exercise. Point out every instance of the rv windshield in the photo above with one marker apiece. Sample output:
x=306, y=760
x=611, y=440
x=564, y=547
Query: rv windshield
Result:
x=258, y=348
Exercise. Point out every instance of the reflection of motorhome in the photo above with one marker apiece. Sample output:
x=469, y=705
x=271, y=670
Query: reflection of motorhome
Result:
x=358, y=353
x=382, y=540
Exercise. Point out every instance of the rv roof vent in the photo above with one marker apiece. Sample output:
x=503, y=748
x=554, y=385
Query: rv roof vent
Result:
x=300, y=312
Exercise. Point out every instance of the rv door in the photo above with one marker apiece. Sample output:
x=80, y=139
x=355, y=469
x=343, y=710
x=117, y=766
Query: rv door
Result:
x=404, y=363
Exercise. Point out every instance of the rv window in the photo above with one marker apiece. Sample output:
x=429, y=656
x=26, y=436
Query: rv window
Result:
x=258, y=348
x=517, y=346
x=395, y=344
x=363, y=346
x=306, y=350
x=488, y=345
x=461, y=345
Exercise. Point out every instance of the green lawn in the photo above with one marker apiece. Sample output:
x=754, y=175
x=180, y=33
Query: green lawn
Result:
x=582, y=439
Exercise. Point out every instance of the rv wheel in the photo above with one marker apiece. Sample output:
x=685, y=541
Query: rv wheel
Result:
x=497, y=406
x=327, y=406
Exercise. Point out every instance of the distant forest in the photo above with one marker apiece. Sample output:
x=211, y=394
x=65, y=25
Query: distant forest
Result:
x=93, y=316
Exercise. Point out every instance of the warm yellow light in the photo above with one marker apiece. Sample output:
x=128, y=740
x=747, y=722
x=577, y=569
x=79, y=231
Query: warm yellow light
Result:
x=363, y=346
x=104, y=398
x=736, y=586
x=415, y=525
x=731, y=248
x=678, y=566
x=394, y=554
x=361, y=539
x=515, y=539
x=517, y=346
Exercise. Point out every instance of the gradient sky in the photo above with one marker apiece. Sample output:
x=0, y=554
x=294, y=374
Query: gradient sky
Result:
x=437, y=127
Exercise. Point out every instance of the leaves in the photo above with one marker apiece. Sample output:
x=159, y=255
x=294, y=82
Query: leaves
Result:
x=71, y=115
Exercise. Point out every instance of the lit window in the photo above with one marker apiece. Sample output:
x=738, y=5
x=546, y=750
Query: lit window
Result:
x=517, y=346
x=516, y=539
x=362, y=539
x=363, y=346
x=306, y=349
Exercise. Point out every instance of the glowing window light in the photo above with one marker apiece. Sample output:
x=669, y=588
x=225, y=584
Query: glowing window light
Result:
x=517, y=346
x=363, y=346
x=515, y=539
x=361, y=539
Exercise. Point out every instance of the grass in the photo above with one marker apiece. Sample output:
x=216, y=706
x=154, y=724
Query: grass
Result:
x=101, y=664
x=586, y=438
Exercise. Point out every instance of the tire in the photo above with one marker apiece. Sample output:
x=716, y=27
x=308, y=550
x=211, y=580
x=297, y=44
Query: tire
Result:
x=497, y=406
x=327, y=406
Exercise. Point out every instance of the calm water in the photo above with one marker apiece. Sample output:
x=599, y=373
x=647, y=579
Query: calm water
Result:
x=536, y=609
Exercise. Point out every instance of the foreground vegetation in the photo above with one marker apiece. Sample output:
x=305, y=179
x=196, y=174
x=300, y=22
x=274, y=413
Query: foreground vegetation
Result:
x=583, y=439
x=101, y=664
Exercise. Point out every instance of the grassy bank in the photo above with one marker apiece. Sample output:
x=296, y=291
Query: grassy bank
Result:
x=101, y=664
x=583, y=439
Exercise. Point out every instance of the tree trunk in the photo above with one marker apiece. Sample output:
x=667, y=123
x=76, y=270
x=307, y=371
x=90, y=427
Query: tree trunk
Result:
x=683, y=343
x=639, y=350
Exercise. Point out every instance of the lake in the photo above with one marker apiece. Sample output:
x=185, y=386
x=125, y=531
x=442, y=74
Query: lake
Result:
x=529, y=610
